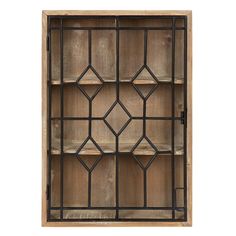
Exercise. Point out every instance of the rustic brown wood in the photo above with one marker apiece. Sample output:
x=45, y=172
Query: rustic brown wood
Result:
x=189, y=117
x=125, y=214
x=44, y=119
x=89, y=149
x=130, y=174
x=93, y=80
x=117, y=12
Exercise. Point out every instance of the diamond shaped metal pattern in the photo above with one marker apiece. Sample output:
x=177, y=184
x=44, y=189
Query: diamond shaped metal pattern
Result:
x=92, y=159
x=91, y=78
x=145, y=78
x=117, y=125
x=144, y=145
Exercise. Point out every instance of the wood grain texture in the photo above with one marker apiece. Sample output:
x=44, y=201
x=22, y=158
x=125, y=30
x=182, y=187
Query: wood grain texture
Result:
x=93, y=80
x=44, y=119
x=189, y=117
x=118, y=12
x=130, y=171
x=76, y=182
x=71, y=146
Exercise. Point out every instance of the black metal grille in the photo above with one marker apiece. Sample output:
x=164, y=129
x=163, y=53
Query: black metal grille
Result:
x=117, y=132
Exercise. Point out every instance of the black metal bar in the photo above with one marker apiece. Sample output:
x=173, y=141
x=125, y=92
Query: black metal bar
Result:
x=145, y=47
x=145, y=17
x=114, y=208
x=49, y=120
x=89, y=119
x=96, y=162
x=119, y=28
x=89, y=188
x=89, y=47
x=82, y=163
x=110, y=153
x=173, y=120
x=62, y=126
x=114, y=81
x=119, y=220
x=82, y=17
x=144, y=117
x=121, y=17
x=102, y=118
x=182, y=115
x=145, y=188
x=136, y=144
x=185, y=120
x=123, y=128
x=138, y=161
x=117, y=98
x=150, y=28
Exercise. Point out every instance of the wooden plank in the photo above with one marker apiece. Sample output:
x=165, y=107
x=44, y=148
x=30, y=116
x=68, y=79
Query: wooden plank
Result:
x=89, y=149
x=117, y=12
x=115, y=224
x=93, y=80
x=189, y=118
x=124, y=214
x=44, y=118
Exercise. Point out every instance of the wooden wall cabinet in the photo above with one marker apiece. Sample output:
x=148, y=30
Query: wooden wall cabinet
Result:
x=116, y=93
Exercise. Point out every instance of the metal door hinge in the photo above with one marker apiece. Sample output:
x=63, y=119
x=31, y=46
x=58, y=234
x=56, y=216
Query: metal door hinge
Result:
x=47, y=192
x=48, y=43
x=182, y=117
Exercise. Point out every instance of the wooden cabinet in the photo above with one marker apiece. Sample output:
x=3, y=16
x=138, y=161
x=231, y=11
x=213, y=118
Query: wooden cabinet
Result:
x=116, y=118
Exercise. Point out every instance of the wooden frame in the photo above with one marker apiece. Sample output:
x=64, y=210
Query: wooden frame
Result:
x=47, y=13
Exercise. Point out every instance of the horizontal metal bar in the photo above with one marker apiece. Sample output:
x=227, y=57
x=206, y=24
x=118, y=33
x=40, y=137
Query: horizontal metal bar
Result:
x=102, y=118
x=74, y=154
x=114, y=208
x=119, y=220
x=111, y=82
x=122, y=17
x=110, y=153
x=57, y=17
x=119, y=28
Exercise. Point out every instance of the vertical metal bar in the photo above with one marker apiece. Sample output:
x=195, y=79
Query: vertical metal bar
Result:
x=89, y=188
x=173, y=119
x=90, y=113
x=117, y=98
x=144, y=117
x=89, y=47
x=49, y=118
x=145, y=47
x=144, y=124
x=145, y=187
x=185, y=117
x=90, y=119
x=62, y=125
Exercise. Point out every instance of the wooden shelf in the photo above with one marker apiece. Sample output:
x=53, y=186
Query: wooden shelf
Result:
x=124, y=214
x=89, y=149
x=94, y=80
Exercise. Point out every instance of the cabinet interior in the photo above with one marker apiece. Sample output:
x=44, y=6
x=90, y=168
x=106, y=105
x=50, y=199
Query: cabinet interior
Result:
x=133, y=170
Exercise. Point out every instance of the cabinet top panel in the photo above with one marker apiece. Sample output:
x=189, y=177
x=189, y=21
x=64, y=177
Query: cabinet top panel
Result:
x=117, y=12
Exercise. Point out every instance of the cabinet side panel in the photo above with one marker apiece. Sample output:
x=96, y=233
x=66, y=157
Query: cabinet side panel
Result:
x=189, y=117
x=44, y=118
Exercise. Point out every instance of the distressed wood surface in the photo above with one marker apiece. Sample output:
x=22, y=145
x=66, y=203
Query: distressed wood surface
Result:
x=131, y=175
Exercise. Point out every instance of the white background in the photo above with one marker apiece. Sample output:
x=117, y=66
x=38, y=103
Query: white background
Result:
x=214, y=131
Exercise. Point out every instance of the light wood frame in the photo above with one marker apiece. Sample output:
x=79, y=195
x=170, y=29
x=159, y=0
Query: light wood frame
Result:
x=47, y=13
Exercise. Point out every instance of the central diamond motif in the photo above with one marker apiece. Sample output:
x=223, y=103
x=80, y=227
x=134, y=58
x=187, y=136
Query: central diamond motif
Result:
x=117, y=118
